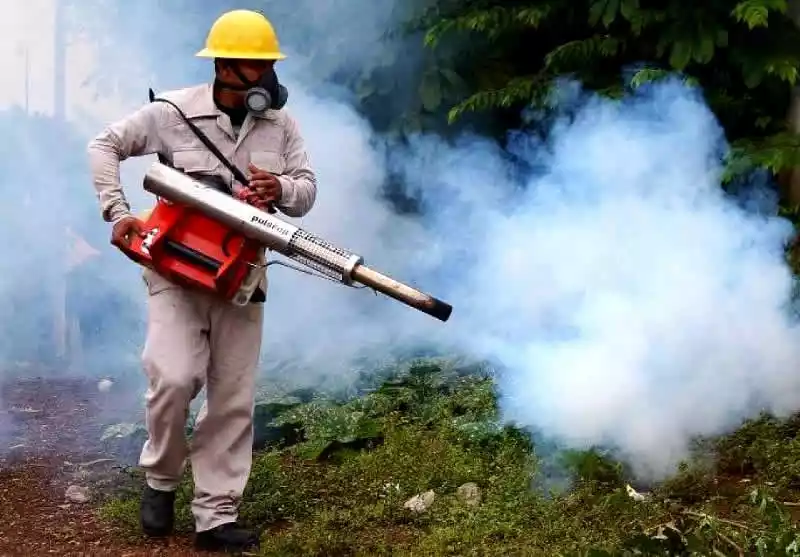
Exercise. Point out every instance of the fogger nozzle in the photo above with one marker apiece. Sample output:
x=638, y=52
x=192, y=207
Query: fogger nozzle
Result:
x=285, y=238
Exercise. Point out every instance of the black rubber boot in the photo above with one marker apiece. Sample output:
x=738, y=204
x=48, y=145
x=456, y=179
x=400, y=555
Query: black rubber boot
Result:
x=228, y=538
x=157, y=512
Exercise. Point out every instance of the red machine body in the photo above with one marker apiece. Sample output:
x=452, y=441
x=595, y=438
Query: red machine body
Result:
x=191, y=249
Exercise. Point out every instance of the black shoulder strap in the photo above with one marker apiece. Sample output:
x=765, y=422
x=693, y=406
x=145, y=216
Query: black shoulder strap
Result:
x=161, y=158
x=238, y=174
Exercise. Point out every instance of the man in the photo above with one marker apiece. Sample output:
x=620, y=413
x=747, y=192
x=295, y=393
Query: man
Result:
x=194, y=339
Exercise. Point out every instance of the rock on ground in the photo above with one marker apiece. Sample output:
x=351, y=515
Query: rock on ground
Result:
x=420, y=503
x=78, y=494
x=469, y=494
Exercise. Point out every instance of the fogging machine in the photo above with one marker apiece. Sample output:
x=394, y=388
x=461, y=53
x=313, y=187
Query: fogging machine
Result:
x=203, y=238
x=200, y=237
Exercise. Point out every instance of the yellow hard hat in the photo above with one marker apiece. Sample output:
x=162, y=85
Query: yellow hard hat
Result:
x=242, y=34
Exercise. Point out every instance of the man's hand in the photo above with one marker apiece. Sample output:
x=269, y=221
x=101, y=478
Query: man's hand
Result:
x=264, y=189
x=121, y=233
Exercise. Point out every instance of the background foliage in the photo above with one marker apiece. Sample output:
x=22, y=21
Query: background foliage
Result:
x=495, y=58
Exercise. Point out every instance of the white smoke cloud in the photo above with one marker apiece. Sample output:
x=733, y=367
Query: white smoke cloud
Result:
x=627, y=302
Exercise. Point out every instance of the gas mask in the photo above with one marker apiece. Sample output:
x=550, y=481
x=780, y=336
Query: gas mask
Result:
x=263, y=94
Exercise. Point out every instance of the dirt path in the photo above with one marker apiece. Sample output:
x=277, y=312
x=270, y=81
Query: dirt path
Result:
x=50, y=429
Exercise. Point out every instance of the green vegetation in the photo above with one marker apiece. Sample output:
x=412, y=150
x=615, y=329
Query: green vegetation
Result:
x=340, y=487
x=490, y=59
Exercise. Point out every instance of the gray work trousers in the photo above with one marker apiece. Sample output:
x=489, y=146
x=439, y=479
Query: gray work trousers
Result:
x=195, y=340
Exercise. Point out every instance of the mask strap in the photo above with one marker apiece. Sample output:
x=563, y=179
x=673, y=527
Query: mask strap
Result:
x=244, y=86
x=247, y=83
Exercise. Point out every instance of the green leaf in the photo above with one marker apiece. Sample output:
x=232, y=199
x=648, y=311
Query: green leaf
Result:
x=430, y=91
x=705, y=49
x=775, y=153
x=596, y=11
x=613, y=92
x=609, y=46
x=763, y=122
x=753, y=76
x=755, y=13
x=647, y=75
x=451, y=77
x=522, y=89
x=642, y=18
x=455, y=81
x=628, y=9
x=722, y=38
x=577, y=54
x=491, y=22
x=680, y=55
x=785, y=69
x=610, y=14
x=661, y=45
x=691, y=81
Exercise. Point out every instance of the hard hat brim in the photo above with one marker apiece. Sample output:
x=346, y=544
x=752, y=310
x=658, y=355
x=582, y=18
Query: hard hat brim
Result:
x=230, y=54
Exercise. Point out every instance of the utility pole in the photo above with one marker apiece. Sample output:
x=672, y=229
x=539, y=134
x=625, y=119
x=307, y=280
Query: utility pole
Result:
x=60, y=58
x=61, y=321
x=27, y=80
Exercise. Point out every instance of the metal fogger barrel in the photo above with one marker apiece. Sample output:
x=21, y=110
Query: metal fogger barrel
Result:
x=285, y=238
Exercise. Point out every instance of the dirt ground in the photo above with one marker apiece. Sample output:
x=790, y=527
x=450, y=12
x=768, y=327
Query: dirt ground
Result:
x=51, y=430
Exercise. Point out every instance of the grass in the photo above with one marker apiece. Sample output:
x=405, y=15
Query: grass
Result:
x=334, y=478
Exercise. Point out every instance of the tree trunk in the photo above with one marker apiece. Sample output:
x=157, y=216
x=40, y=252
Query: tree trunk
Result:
x=791, y=179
